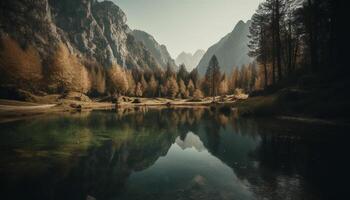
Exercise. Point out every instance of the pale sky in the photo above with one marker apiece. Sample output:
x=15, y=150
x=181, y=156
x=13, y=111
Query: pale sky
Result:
x=187, y=25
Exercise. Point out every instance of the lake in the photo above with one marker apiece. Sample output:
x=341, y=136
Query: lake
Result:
x=184, y=153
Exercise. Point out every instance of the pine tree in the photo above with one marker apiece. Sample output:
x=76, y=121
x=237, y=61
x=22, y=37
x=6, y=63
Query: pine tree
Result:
x=182, y=73
x=194, y=76
x=213, y=77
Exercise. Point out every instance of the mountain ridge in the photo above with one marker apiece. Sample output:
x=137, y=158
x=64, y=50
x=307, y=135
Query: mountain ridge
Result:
x=231, y=50
x=190, y=60
x=159, y=51
x=92, y=29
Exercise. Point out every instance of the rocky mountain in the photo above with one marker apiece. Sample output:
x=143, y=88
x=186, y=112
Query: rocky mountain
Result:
x=159, y=52
x=231, y=50
x=190, y=61
x=91, y=29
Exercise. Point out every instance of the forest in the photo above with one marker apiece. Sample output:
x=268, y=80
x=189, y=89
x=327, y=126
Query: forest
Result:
x=293, y=44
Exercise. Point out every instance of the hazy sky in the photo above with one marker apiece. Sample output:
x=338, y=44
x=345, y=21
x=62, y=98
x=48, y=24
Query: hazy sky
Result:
x=187, y=25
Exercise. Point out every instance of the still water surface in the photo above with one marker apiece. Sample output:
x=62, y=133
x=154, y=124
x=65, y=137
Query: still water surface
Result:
x=168, y=154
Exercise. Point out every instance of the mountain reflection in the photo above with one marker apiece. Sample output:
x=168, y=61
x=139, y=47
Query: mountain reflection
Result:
x=187, y=171
x=162, y=154
x=190, y=141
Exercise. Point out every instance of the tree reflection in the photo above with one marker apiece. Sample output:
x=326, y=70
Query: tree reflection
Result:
x=95, y=153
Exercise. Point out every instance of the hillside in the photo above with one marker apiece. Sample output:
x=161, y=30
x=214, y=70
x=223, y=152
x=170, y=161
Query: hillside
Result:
x=159, y=52
x=231, y=50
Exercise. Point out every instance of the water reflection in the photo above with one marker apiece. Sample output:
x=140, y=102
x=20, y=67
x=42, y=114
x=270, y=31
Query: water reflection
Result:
x=188, y=170
x=165, y=154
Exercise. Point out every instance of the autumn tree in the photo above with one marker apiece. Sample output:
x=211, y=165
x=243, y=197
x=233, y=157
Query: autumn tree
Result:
x=19, y=67
x=138, y=90
x=197, y=94
x=97, y=77
x=152, y=87
x=182, y=88
x=118, y=83
x=234, y=80
x=191, y=88
x=144, y=85
x=212, y=77
x=67, y=73
x=131, y=83
x=223, y=87
x=172, y=87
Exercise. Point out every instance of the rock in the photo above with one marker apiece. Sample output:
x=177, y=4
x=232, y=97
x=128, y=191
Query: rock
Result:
x=159, y=52
x=136, y=100
x=91, y=29
x=76, y=106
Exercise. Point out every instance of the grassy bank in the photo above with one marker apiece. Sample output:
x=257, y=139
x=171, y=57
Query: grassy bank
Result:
x=323, y=103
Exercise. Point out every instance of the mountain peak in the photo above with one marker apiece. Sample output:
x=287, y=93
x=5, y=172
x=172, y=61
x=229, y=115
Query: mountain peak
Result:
x=159, y=51
x=231, y=50
x=190, y=60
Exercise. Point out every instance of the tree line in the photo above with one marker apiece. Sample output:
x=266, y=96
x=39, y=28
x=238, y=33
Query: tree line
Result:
x=22, y=68
x=182, y=84
x=289, y=37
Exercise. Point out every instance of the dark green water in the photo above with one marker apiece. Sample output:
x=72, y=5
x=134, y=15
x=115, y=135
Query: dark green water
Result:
x=169, y=154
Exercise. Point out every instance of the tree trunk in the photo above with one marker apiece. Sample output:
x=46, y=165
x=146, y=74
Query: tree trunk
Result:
x=273, y=49
x=278, y=39
x=312, y=35
x=289, y=44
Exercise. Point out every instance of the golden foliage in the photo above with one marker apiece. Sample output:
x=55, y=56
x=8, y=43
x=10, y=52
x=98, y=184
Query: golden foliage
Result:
x=97, y=76
x=67, y=73
x=197, y=95
x=19, y=67
x=172, y=87
x=118, y=82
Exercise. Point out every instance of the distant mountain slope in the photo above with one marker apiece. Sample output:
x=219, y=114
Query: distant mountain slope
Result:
x=191, y=61
x=95, y=30
x=231, y=50
x=159, y=52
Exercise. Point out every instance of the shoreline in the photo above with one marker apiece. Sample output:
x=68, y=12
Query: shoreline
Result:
x=12, y=110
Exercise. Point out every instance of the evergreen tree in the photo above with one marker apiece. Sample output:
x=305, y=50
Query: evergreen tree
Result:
x=182, y=74
x=213, y=77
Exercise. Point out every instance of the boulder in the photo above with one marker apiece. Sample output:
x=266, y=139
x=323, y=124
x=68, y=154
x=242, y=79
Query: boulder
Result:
x=76, y=96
